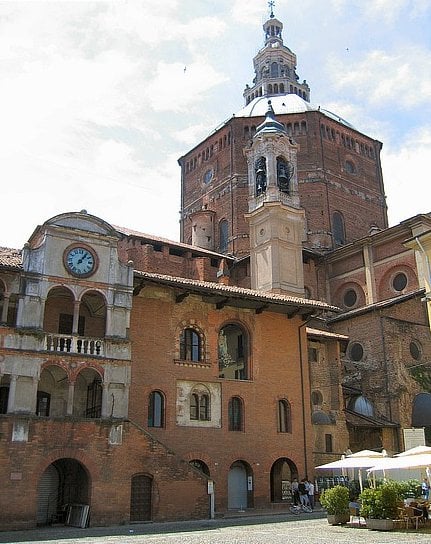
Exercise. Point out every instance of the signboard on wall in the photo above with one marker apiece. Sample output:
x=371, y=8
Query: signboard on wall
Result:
x=414, y=437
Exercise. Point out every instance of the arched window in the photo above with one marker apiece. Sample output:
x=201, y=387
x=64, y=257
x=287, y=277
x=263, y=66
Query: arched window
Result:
x=156, y=410
x=235, y=414
x=223, y=236
x=260, y=175
x=349, y=167
x=338, y=231
x=284, y=417
x=232, y=353
x=197, y=463
x=285, y=171
x=200, y=407
x=274, y=69
x=190, y=346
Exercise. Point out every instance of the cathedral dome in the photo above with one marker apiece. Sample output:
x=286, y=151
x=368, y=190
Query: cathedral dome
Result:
x=285, y=103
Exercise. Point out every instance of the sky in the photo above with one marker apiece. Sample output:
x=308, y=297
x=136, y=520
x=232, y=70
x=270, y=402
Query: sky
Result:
x=98, y=100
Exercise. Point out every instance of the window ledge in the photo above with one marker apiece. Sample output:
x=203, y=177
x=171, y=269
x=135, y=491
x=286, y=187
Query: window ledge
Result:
x=192, y=364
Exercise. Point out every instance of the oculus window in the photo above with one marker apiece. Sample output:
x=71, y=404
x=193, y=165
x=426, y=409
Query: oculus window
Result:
x=399, y=283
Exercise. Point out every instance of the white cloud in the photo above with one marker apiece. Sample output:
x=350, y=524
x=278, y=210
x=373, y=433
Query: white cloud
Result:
x=176, y=87
x=386, y=11
x=399, y=77
x=192, y=134
x=406, y=177
x=248, y=12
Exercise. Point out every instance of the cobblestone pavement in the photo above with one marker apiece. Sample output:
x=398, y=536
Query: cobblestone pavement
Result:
x=275, y=529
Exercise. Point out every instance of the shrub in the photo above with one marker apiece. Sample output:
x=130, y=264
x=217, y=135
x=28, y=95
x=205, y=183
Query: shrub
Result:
x=335, y=500
x=381, y=502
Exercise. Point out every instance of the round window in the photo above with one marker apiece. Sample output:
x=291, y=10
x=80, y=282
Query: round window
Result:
x=350, y=298
x=415, y=350
x=356, y=352
x=208, y=176
x=399, y=282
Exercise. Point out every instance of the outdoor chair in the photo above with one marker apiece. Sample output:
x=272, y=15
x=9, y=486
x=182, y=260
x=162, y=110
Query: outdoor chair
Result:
x=411, y=516
x=354, y=514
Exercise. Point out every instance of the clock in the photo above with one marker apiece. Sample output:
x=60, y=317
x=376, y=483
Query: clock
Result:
x=80, y=261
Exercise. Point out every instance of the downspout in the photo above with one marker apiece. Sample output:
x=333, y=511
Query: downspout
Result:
x=301, y=355
x=325, y=180
x=427, y=261
x=180, y=162
x=232, y=215
x=385, y=365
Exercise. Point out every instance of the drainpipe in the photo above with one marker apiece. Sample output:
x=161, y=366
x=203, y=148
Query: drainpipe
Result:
x=301, y=355
x=232, y=215
x=385, y=365
x=426, y=261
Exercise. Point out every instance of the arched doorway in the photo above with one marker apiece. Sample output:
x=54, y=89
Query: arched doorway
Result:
x=282, y=473
x=64, y=483
x=140, y=497
x=52, y=392
x=240, y=486
x=87, y=400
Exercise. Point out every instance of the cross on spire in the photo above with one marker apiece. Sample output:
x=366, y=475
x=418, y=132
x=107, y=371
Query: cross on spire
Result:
x=271, y=5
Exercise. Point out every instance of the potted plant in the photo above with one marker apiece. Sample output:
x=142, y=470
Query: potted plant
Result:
x=335, y=501
x=379, y=506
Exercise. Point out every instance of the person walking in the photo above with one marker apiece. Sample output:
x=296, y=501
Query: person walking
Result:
x=303, y=492
x=311, y=494
x=425, y=489
x=295, y=491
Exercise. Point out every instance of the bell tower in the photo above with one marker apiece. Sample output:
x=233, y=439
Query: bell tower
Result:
x=275, y=66
x=276, y=220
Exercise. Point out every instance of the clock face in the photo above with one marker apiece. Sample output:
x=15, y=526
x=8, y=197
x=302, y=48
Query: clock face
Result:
x=80, y=261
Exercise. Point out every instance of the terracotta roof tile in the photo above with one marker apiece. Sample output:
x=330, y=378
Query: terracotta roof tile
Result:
x=11, y=258
x=238, y=292
x=158, y=239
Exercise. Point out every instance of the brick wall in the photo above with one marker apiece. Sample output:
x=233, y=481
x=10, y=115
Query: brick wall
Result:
x=274, y=360
x=109, y=468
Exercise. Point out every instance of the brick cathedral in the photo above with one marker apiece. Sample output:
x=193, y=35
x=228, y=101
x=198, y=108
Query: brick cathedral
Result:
x=146, y=379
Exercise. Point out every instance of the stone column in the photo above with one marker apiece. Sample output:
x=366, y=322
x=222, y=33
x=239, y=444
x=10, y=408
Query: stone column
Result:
x=76, y=306
x=70, y=396
x=12, y=393
x=105, y=399
x=3, y=317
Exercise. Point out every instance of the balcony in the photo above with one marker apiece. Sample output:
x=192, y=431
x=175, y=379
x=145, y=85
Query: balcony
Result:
x=65, y=344
x=75, y=344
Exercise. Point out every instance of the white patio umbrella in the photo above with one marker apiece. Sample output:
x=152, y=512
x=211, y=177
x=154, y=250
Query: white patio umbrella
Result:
x=360, y=460
x=419, y=460
x=417, y=450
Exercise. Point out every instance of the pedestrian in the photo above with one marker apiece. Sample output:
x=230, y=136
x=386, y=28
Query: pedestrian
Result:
x=303, y=492
x=311, y=494
x=425, y=489
x=295, y=491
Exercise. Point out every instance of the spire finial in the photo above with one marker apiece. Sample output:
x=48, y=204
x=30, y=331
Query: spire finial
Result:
x=271, y=5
